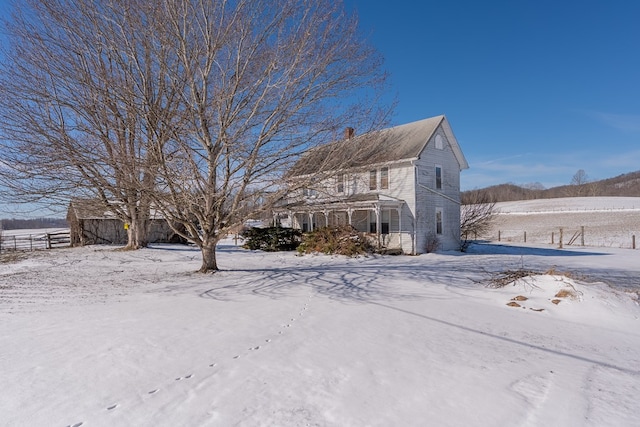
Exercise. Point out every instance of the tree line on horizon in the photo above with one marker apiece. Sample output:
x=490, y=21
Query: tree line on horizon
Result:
x=625, y=185
x=22, y=224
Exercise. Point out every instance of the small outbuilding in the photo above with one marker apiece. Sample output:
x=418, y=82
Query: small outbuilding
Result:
x=91, y=224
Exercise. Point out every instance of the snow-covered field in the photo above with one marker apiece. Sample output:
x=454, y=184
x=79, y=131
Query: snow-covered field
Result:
x=607, y=221
x=96, y=337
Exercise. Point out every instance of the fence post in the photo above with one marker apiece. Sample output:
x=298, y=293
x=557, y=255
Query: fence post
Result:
x=15, y=244
x=498, y=235
x=633, y=241
x=525, y=237
x=49, y=240
x=552, y=236
x=30, y=242
x=560, y=242
x=582, y=235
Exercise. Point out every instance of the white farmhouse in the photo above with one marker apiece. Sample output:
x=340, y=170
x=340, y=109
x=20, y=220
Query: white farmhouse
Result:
x=401, y=185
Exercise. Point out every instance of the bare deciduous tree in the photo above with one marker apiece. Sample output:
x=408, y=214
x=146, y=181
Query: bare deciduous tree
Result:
x=194, y=107
x=86, y=102
x=476, y=216
x=579, y=178
x=266, y=81
x=579, y=185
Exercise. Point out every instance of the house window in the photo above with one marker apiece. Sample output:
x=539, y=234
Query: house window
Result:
x=308, y=192
x=439, y=177
x=438, y=220
x=384, y=221
x=373, y=227
x=439, y=144
x=373, y=180
x=340, y=183
x=384, y=178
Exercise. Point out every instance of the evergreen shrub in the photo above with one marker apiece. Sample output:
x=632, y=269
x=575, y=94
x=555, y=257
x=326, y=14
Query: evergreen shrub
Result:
x=271, y=239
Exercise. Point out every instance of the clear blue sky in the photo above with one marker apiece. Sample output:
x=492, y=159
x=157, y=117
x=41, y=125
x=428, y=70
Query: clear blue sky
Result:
x=534, y=89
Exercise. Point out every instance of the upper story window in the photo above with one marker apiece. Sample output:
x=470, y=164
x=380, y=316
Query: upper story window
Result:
x=308, y=192
x=384, y=178
x=373, y=180
x=340, y=183
x=439, y=177
x=439, y=143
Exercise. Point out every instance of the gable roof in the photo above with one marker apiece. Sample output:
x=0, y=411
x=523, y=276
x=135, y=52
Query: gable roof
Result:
x=398, y=143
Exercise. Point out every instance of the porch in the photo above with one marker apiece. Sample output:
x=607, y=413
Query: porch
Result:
x=377, y=216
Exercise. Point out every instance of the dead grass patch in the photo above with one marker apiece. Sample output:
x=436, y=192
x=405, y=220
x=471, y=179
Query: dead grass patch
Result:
x=504, y=278
x=12, y=256
x=565, y=293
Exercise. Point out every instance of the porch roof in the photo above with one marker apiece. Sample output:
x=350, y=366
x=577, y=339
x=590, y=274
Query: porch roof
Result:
x=353, y=202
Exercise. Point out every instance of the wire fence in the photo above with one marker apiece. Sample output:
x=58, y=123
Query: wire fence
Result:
x=566, y=236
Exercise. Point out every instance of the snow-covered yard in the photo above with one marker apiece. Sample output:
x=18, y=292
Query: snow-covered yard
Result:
x=96, y=337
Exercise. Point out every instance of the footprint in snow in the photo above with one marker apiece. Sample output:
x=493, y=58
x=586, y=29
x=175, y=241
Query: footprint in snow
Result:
x=267, y=340
x=75, y=425
x=189, y=376
x=235, y=357
x=112, y=407
x=212, y=365
x=154, y=391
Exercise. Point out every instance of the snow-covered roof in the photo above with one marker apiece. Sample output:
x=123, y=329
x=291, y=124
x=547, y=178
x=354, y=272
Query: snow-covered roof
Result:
x=398, y=143
x=96, y=209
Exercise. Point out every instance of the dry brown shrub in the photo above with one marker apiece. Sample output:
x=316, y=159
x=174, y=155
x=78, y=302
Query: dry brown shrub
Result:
x=566, y=293
x=342, y=240
x=513, y=304
x=519, y=298
x=504, y=278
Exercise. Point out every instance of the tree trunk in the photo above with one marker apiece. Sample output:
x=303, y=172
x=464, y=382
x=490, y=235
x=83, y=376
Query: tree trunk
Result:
x=209, y=263
x=137, y=235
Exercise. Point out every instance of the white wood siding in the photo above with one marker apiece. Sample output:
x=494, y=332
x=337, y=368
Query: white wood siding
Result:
x=428, y=201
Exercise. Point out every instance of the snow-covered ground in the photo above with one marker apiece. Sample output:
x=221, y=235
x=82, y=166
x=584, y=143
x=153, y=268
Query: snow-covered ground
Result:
x=96, y=337
x=607, y=221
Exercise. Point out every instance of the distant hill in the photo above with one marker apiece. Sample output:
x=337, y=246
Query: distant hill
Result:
x=626, y=185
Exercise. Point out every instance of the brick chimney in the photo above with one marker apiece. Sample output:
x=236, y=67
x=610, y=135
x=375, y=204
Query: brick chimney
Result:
x=349, y=132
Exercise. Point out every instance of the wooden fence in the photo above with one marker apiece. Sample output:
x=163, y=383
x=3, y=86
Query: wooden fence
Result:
x=32, y=242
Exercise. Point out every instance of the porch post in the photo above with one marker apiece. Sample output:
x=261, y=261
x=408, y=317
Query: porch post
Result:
x=326, y=217
x=377, y=211
x=399, y=210
x=310, y=221
x=349, y=213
